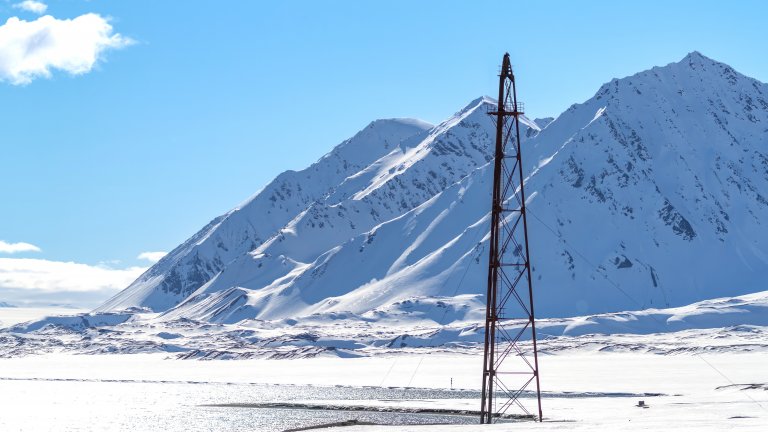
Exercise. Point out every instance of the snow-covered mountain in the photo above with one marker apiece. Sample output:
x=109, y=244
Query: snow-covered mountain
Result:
x=650, y=194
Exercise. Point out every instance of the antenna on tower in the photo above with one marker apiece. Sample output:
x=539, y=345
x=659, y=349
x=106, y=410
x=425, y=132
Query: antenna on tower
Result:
x=509, y=367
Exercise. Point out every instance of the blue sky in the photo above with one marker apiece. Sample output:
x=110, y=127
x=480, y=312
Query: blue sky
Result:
x=190, y=107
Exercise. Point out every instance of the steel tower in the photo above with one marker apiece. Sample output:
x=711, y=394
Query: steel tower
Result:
x=509, y=367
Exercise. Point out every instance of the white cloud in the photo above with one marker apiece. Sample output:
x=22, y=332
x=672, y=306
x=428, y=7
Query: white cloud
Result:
x=152, y=257
x=32, y=49
x=32, y=6
x=17, y=247
x=58, y=276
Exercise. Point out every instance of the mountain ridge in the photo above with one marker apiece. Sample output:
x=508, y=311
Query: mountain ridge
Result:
x=416, y=206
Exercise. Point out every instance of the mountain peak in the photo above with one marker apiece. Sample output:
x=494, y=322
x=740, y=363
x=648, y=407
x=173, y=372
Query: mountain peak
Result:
x=477, y=102
x=695, y=55
x=402, y=121
x=698, y=61
x=694, y=71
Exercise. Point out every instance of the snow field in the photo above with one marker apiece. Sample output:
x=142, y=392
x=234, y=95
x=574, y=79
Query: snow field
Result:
x=583, y=391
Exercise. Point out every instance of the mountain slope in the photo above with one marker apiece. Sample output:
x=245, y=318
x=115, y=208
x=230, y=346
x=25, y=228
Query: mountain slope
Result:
x=672, y=164
x=245, y=227
x=649, y=194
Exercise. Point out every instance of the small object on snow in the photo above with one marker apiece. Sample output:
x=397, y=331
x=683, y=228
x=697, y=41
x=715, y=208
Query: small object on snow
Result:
x=641, y=404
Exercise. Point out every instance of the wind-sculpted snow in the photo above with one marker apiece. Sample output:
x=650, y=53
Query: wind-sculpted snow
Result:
x=651, y=194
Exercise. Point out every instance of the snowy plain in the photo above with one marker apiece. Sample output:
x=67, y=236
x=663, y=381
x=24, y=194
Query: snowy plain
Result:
x=583, y=391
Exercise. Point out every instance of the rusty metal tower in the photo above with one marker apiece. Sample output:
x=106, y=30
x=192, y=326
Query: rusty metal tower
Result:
x=509, y=367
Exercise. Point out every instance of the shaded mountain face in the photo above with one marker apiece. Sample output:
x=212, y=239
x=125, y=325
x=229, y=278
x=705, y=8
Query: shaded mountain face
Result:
x=650, y=194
